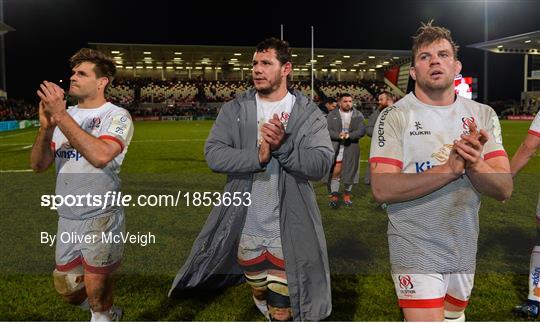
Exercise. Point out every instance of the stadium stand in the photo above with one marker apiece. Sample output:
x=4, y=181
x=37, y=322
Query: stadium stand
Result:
x=146, y=97
x=172, y=92
x=17, y=110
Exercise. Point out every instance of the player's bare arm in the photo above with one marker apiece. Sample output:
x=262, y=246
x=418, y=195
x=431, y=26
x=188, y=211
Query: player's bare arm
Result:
x=490, y=177
x=526, y=150
x=42, y=155
x=99, y=152
x=390, y=185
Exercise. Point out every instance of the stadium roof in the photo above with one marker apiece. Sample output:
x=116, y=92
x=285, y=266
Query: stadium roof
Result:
x=229, y=57
x=528, y=43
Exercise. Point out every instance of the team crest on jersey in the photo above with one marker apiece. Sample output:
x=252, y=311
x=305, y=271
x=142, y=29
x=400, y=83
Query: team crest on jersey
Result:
x=405, y=284
x=94, y=123
x=466, y=123
x=284, y=118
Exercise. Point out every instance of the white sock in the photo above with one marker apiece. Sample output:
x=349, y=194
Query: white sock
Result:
x=348, y=188
x=534, y=273
x=334, y=185
x=100, y=316
x=85, y=306
x=262, y=306
x=450, y=316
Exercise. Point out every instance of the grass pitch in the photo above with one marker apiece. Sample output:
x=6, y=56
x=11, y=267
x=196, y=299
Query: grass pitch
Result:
x=165, y=157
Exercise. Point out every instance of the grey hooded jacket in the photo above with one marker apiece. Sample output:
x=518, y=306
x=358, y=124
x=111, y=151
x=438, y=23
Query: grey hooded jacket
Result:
x=351, y=153
x=306, y=154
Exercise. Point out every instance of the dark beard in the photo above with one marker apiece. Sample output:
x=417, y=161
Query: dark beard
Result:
x=265, y=91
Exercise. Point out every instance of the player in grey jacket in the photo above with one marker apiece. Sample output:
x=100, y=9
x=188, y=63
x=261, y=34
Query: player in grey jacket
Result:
x=304, y=154
x=346, y=127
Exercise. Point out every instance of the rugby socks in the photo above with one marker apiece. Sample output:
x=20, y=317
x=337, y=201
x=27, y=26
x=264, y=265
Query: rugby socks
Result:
x=113, y=314
x=100, y=316
x=334, y=185
x=450, y=316
x=262, y=306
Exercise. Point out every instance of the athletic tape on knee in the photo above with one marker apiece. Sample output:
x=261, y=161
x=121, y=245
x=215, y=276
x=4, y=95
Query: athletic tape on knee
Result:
x=68, y=282
x=451, y=316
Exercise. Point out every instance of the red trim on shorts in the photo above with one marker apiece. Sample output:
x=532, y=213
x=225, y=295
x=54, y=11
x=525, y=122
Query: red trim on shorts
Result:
x=496, y=153
x=385, y=160
x=101, y=270
x=118, y=141
x=251, y=262
x=261, y=258
x=53, y=145
x=455, y=301
x=534, y=133
x=339, y=161
x=275, y=260
x=70, y=265
x=422, y=303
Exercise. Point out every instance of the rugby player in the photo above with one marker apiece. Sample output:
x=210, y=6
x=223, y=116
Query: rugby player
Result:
x=87, y=142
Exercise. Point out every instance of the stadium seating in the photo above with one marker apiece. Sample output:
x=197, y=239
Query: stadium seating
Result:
x=173, y=92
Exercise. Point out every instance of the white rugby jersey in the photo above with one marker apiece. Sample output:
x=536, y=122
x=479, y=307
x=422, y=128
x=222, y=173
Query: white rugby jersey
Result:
x=535, y=125
x=438, y=232
x=534, y=130
x=262, y=219
x=345, y=120
x=75, y=175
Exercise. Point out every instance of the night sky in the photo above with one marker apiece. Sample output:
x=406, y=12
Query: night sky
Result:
x=48, y=32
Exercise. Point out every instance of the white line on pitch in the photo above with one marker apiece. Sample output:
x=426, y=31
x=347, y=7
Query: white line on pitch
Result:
x=15, y=170
x=17, y=134
x=15, y=144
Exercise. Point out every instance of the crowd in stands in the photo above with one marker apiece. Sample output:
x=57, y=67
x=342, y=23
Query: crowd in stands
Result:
x=192, y=97
x=171, y=92
x=17, y=110
x=216, y=91
x=122, y=93
x=359, y=93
